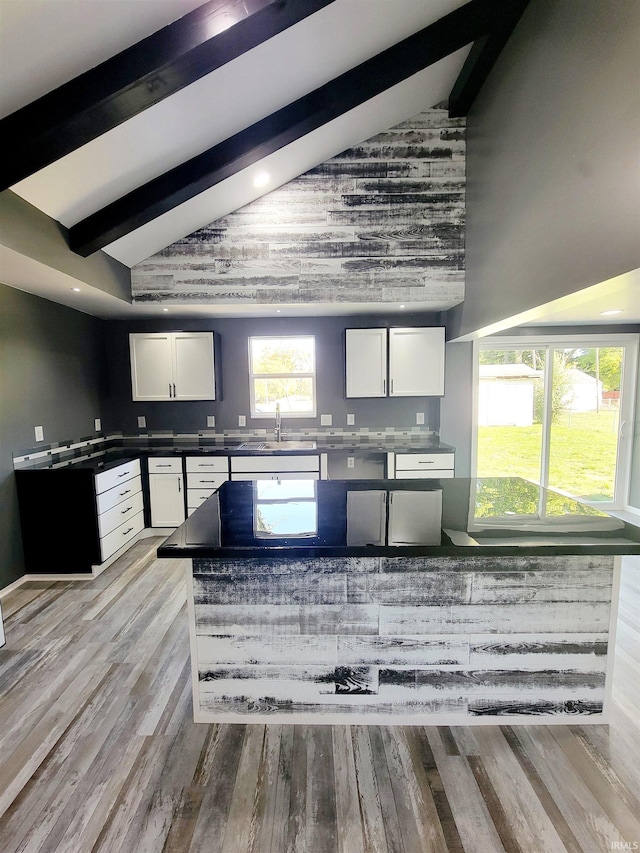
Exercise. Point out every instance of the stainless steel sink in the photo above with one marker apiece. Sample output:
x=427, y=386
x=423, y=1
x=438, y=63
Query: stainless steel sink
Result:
x=277, y=445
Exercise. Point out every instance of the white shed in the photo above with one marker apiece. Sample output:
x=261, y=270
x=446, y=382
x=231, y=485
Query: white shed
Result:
x=505, y=394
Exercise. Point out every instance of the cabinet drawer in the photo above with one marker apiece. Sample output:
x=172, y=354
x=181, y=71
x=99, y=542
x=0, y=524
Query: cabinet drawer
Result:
x=126, y=509
x=165, y=465
x=108, y=479
x=204, y=482
x=419, y=461
x=211, y=464
x=275, y=463
x=276, y=475
x=195, y=497
x=425, y=474
x=107, y=500
x=123, y=534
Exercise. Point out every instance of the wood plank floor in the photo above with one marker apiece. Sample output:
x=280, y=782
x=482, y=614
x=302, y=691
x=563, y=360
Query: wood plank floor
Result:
x=98, y=751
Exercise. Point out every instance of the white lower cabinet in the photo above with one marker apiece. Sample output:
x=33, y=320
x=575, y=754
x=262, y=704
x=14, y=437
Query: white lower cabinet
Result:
x=120, y=506
x=420, y=466
x=204, y=476
x=288, y=467
x=166, y=492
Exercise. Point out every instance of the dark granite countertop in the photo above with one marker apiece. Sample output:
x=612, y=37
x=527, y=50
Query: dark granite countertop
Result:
x=449, y=517
x=102, y=460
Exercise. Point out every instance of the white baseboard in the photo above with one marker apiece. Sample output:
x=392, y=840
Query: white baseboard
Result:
x=12, y=586
x=145, y=533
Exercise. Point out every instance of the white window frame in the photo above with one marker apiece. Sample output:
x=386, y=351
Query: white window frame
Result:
x=627, y=413
x=253, y=376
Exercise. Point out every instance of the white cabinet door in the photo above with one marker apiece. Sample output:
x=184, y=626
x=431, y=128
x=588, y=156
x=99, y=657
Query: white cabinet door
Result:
x=166, y=494
x=193, y=366
x=151, y=366
x=172, y=366
x=366, y=360
x=416, y=362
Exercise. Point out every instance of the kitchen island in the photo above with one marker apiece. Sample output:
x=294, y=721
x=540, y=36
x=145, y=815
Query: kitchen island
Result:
x=400, y=601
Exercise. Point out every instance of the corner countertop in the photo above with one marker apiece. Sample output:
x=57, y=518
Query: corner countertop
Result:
x=449, y=517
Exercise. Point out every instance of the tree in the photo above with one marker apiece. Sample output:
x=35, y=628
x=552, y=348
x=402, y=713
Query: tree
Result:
x=607, y=361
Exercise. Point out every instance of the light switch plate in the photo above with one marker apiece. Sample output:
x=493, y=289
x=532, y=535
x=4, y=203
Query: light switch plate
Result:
x=326, y=420
x=350, y=461
x=211, y=421
x=39, y=431
x=97, y=424
x=142, y=421
x=351, y=419
x=419, y=417
x=242, y=420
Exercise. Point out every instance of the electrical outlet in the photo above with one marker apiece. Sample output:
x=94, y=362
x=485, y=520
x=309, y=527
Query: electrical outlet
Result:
x=97, y=424
x=351, y=419
x=211, y=421
x=419, y=417
x=142, y=422
x=326, y=420
x=350, y=461
x=242, y=420
x=39, y=431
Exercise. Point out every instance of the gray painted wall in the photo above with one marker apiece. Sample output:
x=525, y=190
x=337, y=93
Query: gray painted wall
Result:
x=232, y=339
x=552, y=145
x=456, y=407
x=51, y=374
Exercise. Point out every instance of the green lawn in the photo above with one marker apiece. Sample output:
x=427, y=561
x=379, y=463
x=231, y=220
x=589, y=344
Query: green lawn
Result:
x=582, y=457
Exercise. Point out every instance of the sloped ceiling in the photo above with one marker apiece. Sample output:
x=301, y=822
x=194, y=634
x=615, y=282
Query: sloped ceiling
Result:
x=130, y=157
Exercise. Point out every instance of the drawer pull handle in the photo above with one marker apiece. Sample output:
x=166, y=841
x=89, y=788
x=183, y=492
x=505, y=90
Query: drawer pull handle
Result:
x=127, y=531
x=126, y=492
x=163, y=465
x=211, y=482
x=425, y=462
x=128, y=509
x=124, y=474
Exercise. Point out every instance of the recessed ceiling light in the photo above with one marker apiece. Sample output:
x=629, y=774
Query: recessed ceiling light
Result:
x=165, y=309
x=611, y=312
x=278, y=310
x=76, y=289
x=402, y=306
x=261, y=179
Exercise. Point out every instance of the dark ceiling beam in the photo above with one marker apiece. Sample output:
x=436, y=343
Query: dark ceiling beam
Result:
x=139, y=77
x=482, y=57
x=406, y=58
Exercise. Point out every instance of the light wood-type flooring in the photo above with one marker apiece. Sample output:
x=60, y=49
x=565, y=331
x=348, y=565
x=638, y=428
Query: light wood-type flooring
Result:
x=98, y=751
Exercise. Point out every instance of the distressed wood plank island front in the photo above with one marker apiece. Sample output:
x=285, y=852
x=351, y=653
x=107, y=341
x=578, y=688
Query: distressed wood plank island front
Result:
x=400, y=602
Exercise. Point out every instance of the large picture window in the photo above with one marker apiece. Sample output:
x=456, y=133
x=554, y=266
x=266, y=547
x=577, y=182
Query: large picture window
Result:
x=558, y=412
x=282, y=376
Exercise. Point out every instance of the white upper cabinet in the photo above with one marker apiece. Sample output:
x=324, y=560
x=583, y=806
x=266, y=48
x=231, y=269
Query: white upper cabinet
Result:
x=413, y=357
x=366, y=357
x=172, y=366
x=416, y=362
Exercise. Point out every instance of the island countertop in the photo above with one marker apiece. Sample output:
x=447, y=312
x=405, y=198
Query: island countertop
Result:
x=342, y=518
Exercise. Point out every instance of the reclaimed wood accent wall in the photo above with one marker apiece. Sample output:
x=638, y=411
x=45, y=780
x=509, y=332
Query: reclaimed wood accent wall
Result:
x=379, y=640
x=381, y=222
